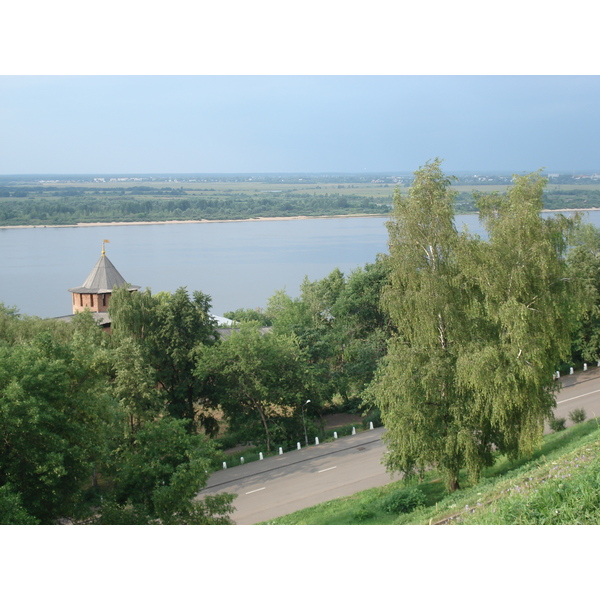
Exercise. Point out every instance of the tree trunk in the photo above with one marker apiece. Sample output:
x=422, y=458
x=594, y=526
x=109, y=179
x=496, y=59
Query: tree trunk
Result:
x=266, y=426
x=453, y=484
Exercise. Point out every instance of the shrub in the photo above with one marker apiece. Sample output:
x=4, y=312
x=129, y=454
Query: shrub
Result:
x=362, y=514
x=577, y=415
x=403, y=501
x=557, y=423
x=373, y=416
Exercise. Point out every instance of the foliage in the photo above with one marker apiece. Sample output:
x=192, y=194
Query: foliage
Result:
x=259, y=380
x=480, y=326
x=430, y=418
x=577, y=415
x=557, y=423
x=42, y=206
x=77, y=406
x=403, y=500
x=16, y=328
x=11, y=508
x=158, y=476
x=171, y=330
x=527, y=309
x=55, y=415
x=341, y=327
x=362, y=513
x=247, y=314
x=583, y=259
x=235, y=197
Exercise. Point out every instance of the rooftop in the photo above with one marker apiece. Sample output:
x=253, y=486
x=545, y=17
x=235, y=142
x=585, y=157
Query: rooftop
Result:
x=102, y=279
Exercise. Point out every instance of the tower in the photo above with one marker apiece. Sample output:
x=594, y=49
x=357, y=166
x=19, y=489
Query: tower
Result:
x=97, y=288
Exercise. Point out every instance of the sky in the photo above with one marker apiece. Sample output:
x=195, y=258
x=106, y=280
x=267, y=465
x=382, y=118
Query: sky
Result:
x=244, y=87
x=75, y=124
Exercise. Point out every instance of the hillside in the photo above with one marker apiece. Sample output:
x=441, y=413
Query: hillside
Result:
x=559, y=485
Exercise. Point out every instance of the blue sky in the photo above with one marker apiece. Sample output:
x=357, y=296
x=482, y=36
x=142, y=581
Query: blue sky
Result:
x=262, y=87
x=246, y=124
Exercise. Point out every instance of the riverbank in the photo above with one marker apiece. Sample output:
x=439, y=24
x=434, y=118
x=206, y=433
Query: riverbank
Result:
x=251, y=220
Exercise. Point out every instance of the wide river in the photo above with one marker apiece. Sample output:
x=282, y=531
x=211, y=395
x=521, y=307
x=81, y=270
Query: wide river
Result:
x=239, y=264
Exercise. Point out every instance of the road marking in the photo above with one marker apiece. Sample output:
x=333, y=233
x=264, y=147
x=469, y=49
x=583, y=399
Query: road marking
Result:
x=329, y=469
x=580, y=396
x=258, y=490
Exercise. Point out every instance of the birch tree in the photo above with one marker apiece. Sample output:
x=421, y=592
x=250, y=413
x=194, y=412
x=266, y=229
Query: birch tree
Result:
x=529, y=304
x=430, y=419
x=480, y=326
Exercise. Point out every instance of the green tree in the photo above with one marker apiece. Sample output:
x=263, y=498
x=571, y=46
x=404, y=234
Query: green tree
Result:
x=260, y=380
x=171, y=330
x=158, y=476
x=480, y=327
x=529, y=304
x=360, y=329
x=16, y=328
x=428, y=416
x=583, y=258
x=135, y=387
x=11, y=508
x=54, y=413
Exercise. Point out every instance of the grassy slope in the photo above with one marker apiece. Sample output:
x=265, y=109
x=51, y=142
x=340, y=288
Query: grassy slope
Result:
x=560, y=484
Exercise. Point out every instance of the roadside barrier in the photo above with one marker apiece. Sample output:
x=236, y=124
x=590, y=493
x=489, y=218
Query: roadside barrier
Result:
x=242, y=459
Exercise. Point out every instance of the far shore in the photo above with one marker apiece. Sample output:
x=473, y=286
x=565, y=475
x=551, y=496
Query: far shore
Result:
x=251, y=220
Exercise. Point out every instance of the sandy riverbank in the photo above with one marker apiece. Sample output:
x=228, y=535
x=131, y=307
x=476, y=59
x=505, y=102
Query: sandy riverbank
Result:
x=253, y=220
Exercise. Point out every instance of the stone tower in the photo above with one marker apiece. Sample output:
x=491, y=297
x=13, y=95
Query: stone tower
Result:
x=97, y=288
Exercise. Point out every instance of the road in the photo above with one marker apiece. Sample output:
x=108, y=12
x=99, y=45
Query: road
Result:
x=298, y=479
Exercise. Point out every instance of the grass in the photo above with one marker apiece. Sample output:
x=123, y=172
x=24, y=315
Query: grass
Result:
x=559, y=484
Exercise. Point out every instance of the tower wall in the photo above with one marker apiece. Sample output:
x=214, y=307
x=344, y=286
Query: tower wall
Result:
x=95, y=302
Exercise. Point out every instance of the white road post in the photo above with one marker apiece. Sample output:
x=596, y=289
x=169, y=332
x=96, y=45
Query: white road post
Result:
x=335, y=435
x=353, y=431
x=370, y=424
x=571, y=371
x=260, y=456
x=224, y=465
x=242, y=460
x=299, y=446
x=316, y=441
x=280, y=450
x=585, y=366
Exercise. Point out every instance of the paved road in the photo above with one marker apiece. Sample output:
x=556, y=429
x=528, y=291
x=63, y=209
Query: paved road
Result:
x=581, y=390
x=301, y=478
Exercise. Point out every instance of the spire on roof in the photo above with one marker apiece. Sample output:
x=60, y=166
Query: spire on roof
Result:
x=103, y=278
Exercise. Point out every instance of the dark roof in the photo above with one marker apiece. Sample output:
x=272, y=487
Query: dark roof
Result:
x=102, y=279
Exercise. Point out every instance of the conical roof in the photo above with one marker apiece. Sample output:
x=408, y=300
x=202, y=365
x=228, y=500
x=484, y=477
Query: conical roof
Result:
x=102, y=279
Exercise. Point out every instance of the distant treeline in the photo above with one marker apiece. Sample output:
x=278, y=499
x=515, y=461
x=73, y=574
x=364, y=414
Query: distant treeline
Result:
x=69, y=206
x=168, y=204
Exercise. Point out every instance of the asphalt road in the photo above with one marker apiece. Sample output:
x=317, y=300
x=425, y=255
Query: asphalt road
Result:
x=298, y=479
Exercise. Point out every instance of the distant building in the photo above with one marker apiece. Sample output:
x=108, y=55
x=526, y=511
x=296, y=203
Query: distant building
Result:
x=95, y=292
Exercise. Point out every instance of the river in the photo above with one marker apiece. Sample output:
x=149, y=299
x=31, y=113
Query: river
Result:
x=239, y=264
